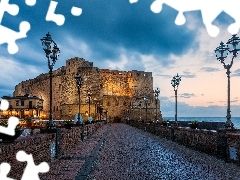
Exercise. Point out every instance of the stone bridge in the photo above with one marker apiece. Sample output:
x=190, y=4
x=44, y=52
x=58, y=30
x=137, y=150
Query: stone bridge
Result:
x=130, y=151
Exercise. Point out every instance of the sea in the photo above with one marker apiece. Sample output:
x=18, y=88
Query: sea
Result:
x=235, y=120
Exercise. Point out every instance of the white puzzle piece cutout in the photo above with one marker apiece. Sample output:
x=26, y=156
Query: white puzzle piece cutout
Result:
x=4, y=170
x=31, y=171
x=8, y=35
x=209, y=10
x=12, y=121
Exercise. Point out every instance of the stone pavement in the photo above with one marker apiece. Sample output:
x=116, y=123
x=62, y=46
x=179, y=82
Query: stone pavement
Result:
x=77, y=165
x=119, y=151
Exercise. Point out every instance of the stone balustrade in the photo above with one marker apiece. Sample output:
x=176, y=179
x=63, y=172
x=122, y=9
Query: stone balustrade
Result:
x=46, y=147
x=222, y=143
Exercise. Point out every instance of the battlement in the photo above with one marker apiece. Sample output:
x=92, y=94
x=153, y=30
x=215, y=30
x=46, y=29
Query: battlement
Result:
x=103, y=83
x=78, y=62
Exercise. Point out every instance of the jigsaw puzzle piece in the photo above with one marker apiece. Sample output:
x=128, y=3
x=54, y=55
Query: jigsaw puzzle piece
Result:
x=59, y=19
x=209, y=13
x=180, y=19
x=234, y=12
x=10, y=129
x=4, y=105
x=156, y=6
x=30, y=2
x=76, y=11
x=4, y=170
x=31, y=169
x=133, y=1
x=12, y=9
x=11, y=36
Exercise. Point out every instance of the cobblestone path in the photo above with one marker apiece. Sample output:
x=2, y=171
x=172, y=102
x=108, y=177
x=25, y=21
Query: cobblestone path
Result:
x=129, y=153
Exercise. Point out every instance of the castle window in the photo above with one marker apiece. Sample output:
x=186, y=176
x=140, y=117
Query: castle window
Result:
x=124, y=103
x=22, y=103
x=108, y=103
x=57, y=108
x=30, y=105
x=69, y=63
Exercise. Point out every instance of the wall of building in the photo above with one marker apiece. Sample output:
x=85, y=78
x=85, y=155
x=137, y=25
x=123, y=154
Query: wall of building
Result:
x=107, y=86
x=23, y=106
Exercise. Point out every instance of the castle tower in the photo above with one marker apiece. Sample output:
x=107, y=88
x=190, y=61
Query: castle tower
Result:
x=120, y=93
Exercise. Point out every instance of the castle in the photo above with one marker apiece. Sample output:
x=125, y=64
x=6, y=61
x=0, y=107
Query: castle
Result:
x=119, y=93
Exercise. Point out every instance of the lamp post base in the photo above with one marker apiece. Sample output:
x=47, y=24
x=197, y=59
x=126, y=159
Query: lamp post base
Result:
x=229, y=125
x=50, y=125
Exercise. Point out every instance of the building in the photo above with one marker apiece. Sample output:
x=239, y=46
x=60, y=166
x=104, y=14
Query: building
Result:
x=119, y=93
x=24, y=106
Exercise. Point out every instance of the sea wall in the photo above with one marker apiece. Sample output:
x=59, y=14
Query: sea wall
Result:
x=221, y=143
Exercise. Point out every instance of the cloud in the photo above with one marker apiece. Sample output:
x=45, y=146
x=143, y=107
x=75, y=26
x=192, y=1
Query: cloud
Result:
x=188, y=74
x=209, y=69
x=13, y=73
x=231, y=101
x=126, y=37
x=236, y=72
x=187, y=95
x=184, y=110
x=164, y=76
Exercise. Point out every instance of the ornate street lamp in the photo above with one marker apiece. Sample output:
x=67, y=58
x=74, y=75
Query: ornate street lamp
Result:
x=221, y=52
x=95, y=108
x=133, y=112
x=106, y=112
x=146, y=100
x=156, y=94
x=175, y=83
x=79, y=82
x=52, y=52
x=89, y=98
x=140, y=108
x=100, y=111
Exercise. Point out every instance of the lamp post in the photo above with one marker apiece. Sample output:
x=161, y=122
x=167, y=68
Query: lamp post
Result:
x=156, y=93
x=221, y=54
x=79, y=82
x=131, y=113
x=95, y=108
x=89, y=98
x=106, y=112
x=140, y=108
x=100, y=111
x=52, y=52
x=146, y=100
x=175, y=83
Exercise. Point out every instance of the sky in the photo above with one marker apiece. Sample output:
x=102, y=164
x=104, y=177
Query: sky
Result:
x=119, y=35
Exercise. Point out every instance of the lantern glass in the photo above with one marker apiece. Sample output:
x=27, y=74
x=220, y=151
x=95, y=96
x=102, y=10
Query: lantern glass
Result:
x=233, y=44
x=78, y=80
x=221, y=51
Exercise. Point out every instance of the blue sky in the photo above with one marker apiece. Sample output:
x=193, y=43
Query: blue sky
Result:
x=124, y=36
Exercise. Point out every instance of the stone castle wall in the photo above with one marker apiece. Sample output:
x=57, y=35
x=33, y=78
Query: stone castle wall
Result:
x=117, y=91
